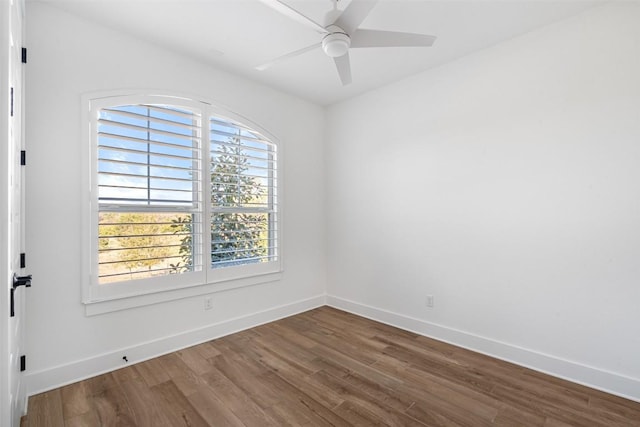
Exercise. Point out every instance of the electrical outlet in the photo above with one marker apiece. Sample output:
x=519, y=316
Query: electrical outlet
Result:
x=429, y=301
x=208, y=303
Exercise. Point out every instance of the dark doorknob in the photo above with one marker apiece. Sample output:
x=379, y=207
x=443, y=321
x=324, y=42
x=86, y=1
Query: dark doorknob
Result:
x=21, y=281
x=17, y=282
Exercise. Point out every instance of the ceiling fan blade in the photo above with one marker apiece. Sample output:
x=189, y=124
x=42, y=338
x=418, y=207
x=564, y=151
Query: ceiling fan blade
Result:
x=354, y=14
x=344, y=68
x=376, y=38
x=282, y=58
x=294, y=14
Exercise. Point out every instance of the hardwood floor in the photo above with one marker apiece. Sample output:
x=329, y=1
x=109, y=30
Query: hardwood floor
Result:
x=321, y=368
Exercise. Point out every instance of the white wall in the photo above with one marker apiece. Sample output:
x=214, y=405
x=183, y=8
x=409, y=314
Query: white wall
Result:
x=507, y=185
x=69, y=56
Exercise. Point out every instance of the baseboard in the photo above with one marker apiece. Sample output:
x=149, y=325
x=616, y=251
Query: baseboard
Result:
x=609, y=382
x=48, y=379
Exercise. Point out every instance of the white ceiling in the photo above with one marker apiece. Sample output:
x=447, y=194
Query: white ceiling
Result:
x=237, y=35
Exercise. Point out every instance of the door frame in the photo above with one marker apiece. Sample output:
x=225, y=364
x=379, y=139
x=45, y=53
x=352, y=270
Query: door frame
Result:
x=5, y=96
x=9, y=371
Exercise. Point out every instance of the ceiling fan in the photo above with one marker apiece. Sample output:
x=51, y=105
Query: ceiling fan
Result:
x=341, y=33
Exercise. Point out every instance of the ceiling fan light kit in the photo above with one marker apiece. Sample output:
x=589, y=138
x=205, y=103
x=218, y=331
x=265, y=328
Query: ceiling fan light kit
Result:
x=336, y=43
x=343, y=34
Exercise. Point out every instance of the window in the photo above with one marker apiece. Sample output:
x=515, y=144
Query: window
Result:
x=181, y=196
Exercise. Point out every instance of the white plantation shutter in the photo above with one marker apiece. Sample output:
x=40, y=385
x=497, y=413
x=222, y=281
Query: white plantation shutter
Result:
x=243, y=195
x=148, y=155
x=149, y=191
x=180, y=197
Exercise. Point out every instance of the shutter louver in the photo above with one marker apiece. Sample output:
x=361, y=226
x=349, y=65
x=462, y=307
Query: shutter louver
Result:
x=243, y=196
x=149, y=190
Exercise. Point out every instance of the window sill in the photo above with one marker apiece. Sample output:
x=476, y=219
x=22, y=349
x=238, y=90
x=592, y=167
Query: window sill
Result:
x=108, y=306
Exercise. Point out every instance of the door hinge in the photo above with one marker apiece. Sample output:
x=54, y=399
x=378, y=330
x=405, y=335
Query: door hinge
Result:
x=23, y=363
x=24, y=55
x=11, y=102
x=23, y=260
x=23, y=158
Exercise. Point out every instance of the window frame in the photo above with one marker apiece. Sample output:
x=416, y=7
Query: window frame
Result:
x=125, y=294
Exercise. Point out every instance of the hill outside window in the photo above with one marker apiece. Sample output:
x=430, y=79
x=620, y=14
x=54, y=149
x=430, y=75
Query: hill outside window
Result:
x=181, y=196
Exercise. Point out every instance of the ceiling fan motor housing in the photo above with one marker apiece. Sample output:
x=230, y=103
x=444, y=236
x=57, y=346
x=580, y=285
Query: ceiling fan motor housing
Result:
x=336, y=43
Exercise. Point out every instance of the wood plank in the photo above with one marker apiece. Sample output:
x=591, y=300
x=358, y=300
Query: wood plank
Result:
x=457, y=373
x=320, y=393
x=300, y=407
x=328, y=339
x=349, y=330
x=429, y=388
x=176, y=407
x=530, y=402
x=510, y=416
x=286, y=416
x=212, y=409
x=615, y=405
x=145, y=408
x=560, y=392
x=378, y=411
x=241, y=352
x=46, y=410
x=88, y=419
x=238, y=373
x=183, y=377
x=152, y=372
x=237, y=401
x=76, y=400
x=195, y=360
x=552, y=422
x=125, y=374
x=98, y=385
x=206, y=350
x=431, y=417
x=292, y=336
x=271, y=346
x=111, y=407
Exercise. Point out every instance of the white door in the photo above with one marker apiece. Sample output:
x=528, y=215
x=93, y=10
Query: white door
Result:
x=12, y=393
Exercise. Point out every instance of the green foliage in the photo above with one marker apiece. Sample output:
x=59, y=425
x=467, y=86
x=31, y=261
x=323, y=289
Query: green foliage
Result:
x=237, y=236
x=234, y=235
x=229, y=186
x=184, y=226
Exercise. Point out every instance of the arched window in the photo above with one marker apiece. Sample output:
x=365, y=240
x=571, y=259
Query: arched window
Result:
x=181, y=195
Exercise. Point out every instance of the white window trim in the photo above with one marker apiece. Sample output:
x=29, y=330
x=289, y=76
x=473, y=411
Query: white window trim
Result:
x=129, y=294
